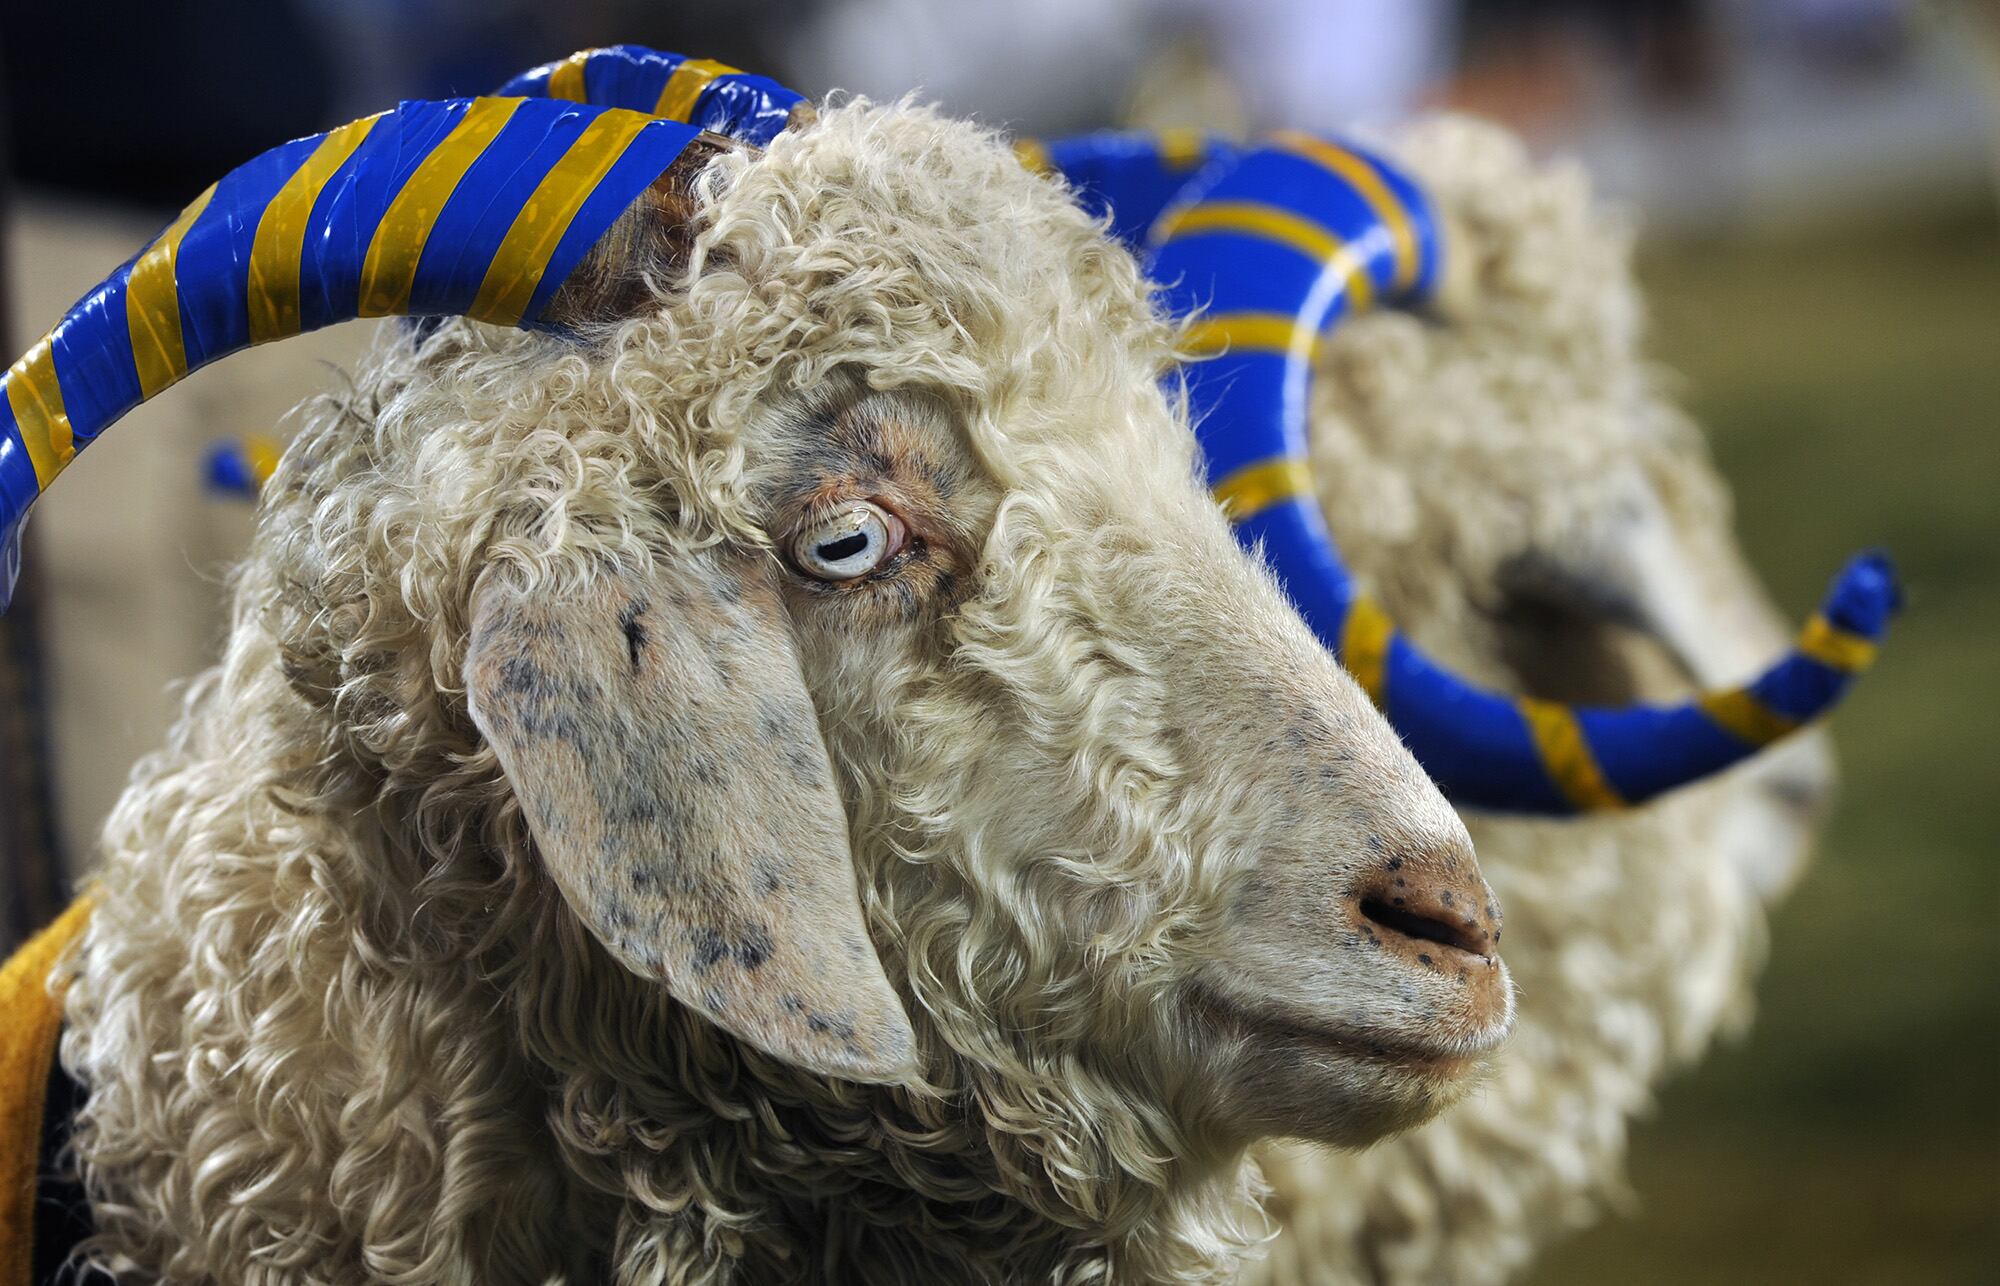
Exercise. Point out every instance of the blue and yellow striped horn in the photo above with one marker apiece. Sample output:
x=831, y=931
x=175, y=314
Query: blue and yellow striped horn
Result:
x=480, y=207
x=1269, y=248
x=700, y=91
x=1272, y=254
x=1128, y=177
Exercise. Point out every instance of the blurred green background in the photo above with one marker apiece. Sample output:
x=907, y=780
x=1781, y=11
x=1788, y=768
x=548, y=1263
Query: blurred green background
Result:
x=1850, y=383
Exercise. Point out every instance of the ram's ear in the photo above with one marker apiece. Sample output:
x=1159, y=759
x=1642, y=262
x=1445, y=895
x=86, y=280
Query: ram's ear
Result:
x=657, y=732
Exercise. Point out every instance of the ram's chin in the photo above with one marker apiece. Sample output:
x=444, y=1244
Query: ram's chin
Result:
x=1340, y=1086
x=1344, y=1095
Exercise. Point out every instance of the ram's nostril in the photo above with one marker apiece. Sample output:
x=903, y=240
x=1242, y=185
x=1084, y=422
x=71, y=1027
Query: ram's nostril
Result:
x=1463, y=933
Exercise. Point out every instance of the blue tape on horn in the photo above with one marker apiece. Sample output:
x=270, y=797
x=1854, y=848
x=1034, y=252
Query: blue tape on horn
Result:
x=480, y=207
x=1268, y=252
x=706, y=94
x=1128, y=177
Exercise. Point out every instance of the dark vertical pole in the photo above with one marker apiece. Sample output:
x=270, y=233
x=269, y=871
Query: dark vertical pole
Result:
x=32, y=888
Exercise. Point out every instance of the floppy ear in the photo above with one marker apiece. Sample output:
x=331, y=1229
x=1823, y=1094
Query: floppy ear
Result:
x=658, y=734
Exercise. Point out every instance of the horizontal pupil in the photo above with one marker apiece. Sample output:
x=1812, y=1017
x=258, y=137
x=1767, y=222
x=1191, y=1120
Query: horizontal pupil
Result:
x=846, y=547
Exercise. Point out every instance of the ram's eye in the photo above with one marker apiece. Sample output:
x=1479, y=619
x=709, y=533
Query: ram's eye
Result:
x=852, y=541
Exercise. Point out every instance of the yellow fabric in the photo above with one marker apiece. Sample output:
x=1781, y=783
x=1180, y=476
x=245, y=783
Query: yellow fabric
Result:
x=1364, y=648
x=38, y=411
x=1566, y=755
x=1033, y=155
x=566, y=81
x=1182, y=148
x=1256, y=487
x=524, y=252
x=390, y=267
x=1362, y=178
x=1740, y=712
x=153, y=305
x=1828, y=644
x=1250, y=333
x=1268, y=222
x=683, y=88
x=278, y=250
x=30, y=1020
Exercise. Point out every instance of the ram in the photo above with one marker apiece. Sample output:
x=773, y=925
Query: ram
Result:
x=1516, y=486
x=747, y=753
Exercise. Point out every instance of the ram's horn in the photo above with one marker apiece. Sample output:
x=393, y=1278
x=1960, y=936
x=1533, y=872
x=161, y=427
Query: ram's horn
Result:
x=1271, y=247
x=1128, y=177
x=491, y=208
x=712, y=95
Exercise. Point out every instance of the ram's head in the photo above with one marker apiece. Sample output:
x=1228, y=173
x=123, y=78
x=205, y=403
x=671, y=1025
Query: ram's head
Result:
x=878, y=679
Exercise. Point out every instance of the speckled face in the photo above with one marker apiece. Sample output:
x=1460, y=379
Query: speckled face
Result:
x=1074, y=723
x=1120, y=828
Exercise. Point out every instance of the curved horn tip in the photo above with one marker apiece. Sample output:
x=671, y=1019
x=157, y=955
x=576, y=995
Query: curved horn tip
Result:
x=1866, y=594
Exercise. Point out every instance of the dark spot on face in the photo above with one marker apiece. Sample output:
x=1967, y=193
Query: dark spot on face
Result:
x=754, y=948
x=836, y=1025
x=804, y=765
x=1426, y=959
x=636, y=809
x=775, y=721
x=750, y=950
x=635, y=630
x=710, y=947
x=1396, y=864
x=1398, y=901
x=523, y=676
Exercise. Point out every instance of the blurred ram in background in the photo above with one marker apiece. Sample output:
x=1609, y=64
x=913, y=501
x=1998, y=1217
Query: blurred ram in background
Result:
x=1816, y=181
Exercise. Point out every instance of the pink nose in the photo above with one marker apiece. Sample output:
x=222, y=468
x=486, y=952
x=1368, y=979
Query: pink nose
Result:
x=1430, y=906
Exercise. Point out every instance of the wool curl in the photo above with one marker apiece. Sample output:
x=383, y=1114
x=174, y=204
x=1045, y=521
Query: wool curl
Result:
x=1440, y=452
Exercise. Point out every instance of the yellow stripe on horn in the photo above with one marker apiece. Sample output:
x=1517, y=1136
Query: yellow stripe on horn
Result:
x=1256, y=487
x=153, y=305
x=1182, y=148
x=279, y=245
x=37, y=401
x=677, y=99
x=1744, y=717
x=1832, y=646
x=1248, y=333
x=524, y=253
x=261, y=455
x=1271, y=223
x=1566, y=756
x=390, y=267
x=1364, y=647
x=1363, y=178
x=1033, y=155
x=566, y=81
